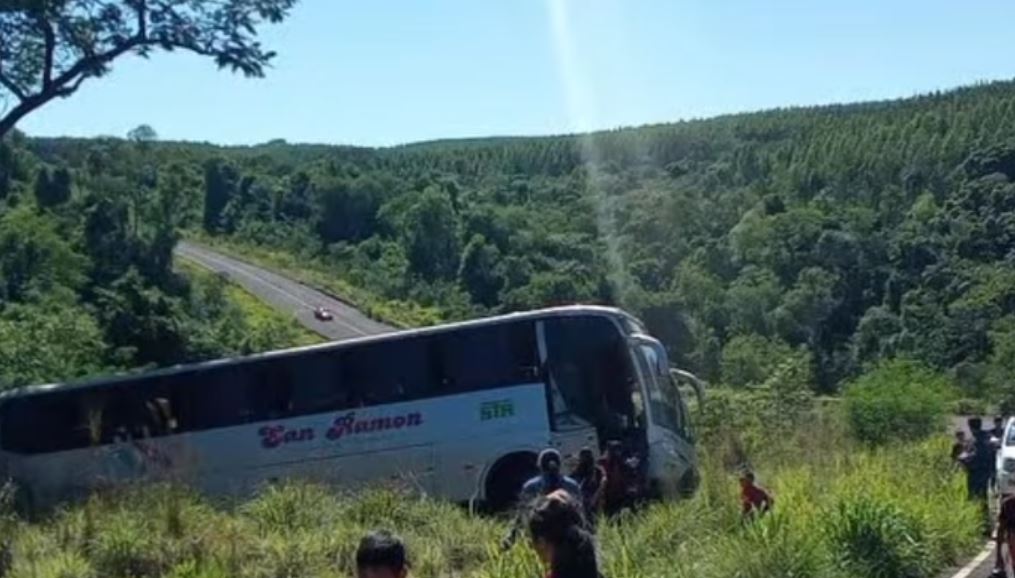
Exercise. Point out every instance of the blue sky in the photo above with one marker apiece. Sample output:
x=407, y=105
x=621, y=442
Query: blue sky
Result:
x=383, y=72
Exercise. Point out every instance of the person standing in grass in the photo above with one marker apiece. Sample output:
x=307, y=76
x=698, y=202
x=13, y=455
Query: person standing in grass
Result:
x=549, y=480
x=616, y=492
x=755, y=500
x=979, y=462
x=1005, y=535
x=959, y=447
x=381, y=555
x=561, y=539
x=590, y=477
x=996, y=440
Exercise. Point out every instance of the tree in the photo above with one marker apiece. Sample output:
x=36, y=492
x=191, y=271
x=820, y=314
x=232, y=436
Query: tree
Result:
x=47, y=342
x=52, y=188
x=431, y=236
x=751, y=359
x=50, y=47
x=34, y=257
x=221, y=182
x=142, y=134
x=478, y=272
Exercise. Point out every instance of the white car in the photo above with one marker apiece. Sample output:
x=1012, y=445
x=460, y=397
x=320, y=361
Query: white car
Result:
x=1006, y=460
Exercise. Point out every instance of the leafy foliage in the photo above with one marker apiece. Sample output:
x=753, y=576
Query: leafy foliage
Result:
x=51, y=47
x=87, y=279
x=899, y=400
x=855, y=234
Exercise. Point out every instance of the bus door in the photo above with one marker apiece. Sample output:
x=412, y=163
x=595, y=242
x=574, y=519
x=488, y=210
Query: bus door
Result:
x=593, y=389
x=671, y=441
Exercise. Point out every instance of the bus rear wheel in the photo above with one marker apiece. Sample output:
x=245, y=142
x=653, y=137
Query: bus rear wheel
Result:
x=506, y=478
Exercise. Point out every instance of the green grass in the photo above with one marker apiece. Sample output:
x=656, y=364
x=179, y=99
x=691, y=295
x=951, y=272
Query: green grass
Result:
x=841, y=511
x=310, y=272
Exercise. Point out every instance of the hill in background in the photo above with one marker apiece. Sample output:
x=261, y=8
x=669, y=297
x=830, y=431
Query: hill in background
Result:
x=841, y=235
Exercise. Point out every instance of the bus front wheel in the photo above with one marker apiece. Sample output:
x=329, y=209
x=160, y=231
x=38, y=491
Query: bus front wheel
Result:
x=506, y=478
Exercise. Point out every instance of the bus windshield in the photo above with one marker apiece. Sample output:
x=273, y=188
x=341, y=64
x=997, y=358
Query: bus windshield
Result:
x=665, y=405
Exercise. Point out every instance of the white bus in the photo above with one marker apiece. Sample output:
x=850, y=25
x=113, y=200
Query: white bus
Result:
x=458, y=411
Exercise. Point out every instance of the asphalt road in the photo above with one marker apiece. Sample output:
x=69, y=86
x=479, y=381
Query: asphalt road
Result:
x=287, y=295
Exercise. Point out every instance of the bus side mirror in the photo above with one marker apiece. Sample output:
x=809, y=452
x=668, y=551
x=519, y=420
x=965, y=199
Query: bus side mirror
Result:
x=680, y=376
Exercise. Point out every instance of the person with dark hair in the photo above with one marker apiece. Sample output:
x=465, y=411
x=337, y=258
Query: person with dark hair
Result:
x=549, y=479
x=1005, y=534
x=979, y=462
x=381, y=555
x=617, y=487
x=561, y=539
x=590, y=477
x=996, y=441
x=754, y=499
x=959, y=446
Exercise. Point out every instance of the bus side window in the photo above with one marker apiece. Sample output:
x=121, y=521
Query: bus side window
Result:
x=318, y=385
x=42, y=424
x=216, y=397
x=489, y=357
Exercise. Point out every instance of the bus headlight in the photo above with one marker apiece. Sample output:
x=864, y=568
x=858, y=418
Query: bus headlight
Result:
x=1008, y=465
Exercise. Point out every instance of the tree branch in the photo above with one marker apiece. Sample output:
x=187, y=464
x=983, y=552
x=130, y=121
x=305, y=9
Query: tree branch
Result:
x=70, y=89
x=50, y=38
x=12, y=87
x=142, y=20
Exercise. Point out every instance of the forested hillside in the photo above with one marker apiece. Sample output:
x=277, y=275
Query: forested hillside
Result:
x=87, y=280
x=836, y=235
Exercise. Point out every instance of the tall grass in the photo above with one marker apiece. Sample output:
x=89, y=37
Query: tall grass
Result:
x=840, y=512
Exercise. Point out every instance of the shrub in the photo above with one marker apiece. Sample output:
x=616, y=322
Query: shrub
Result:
x=751, y=359
x=898, y=400
x=876, y=539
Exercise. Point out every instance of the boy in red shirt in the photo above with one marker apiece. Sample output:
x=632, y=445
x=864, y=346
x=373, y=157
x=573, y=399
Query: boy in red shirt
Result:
x=754, y=499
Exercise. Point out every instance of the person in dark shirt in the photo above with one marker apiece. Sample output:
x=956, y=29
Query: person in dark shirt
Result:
x=979, y=462
x=549, y=479
x=754, y=499
x=590, y=477
x=1005, y=534
x=560, y=538
x=616, y=492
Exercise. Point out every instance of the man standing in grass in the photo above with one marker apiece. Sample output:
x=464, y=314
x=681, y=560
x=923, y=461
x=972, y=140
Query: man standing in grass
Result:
x=979, y=462
x=381, y=555
x=1005, y=535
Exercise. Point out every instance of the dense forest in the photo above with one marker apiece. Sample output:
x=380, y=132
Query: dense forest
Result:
x=837, y=235
x=87, y=280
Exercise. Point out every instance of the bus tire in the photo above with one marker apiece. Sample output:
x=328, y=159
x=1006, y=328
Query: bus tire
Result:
x=689, y=483
x=506, y=478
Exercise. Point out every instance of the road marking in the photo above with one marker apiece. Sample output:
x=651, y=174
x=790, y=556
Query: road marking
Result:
x=966, y=571
x=197, y=256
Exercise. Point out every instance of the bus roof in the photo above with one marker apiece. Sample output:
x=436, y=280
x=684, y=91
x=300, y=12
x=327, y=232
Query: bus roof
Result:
x=110, y=381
